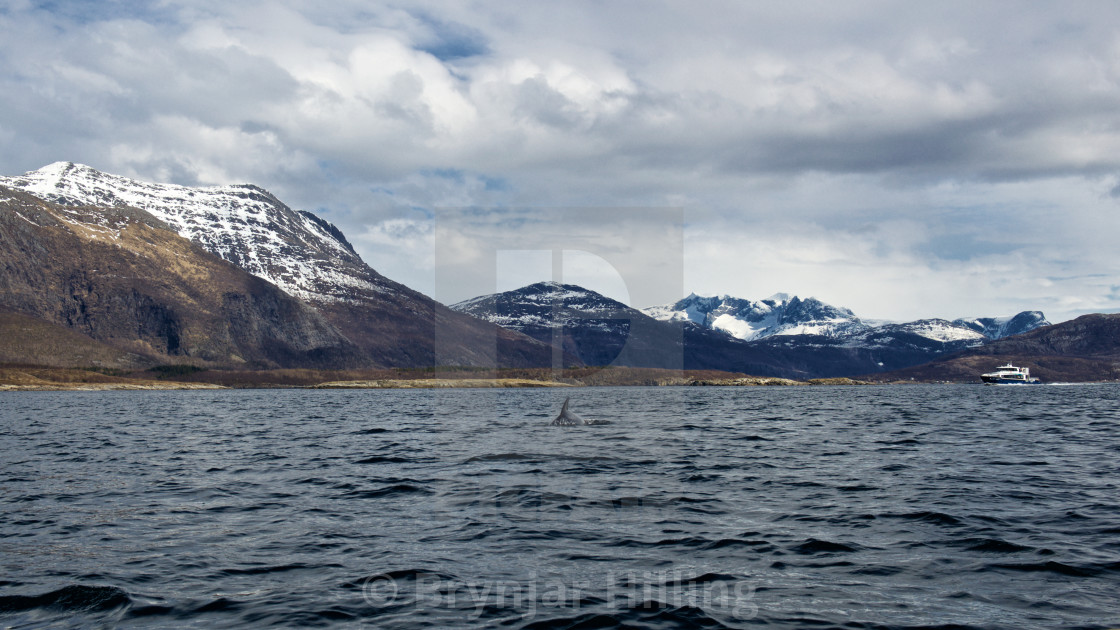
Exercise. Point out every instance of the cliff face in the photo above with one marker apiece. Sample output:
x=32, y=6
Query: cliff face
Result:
x=27, y=340
x=121, y=277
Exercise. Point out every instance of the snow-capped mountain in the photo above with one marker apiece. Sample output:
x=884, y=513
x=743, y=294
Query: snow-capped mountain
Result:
x=593, y=327
x=306, y=257
x=543, y=303
x=781, y=314
x=297, y=251
x=748, y=320
x=127, y=291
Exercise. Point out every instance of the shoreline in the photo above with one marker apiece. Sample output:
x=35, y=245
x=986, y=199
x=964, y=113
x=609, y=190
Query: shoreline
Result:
x=466, y=383
x=36, y=384
x=440, y=383
x=104, y=387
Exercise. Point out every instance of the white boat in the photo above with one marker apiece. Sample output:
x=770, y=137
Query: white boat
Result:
x=1009, y=375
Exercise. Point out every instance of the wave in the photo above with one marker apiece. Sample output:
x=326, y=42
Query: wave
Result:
x=937, y=518
x=377, y=493
x=814, y=545
x=540, y=457
x=1056, y=567
x=994, y=545
x=384, y=459
x=648, y=614
x=73, y=598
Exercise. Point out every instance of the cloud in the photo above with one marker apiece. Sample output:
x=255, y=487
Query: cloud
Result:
x=973, y=134
x=634, y=255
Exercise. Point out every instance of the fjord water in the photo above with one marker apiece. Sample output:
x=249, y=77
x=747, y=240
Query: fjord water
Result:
x=808, y=507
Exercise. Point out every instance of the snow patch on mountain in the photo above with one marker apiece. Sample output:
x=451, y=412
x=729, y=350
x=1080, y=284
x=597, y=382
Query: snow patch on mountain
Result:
x=940, y=330
x=1000, y=327
x=736, y=327
x=244, y=224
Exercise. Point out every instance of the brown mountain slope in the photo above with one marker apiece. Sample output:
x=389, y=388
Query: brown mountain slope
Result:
x=30, y=341
x=122, y=278
x=1086, y=349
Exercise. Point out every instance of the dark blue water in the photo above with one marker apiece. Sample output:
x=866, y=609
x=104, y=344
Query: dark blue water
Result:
x=822, y=507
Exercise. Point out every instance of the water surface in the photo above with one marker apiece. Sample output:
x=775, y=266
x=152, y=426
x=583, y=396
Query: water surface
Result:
x=809, y=507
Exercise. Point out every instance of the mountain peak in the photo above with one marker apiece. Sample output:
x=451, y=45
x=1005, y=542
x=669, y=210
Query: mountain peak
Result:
x=595, y=328
x=56, y=172
x=543, y=284
x=538, y=296
x=62, y=167
x=553, y=290
x=245, y=224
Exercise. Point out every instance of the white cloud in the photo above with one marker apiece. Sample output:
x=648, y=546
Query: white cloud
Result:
x=884, y=156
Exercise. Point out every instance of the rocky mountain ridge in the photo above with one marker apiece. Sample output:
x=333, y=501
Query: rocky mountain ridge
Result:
x=750, y=320
x=781, y=314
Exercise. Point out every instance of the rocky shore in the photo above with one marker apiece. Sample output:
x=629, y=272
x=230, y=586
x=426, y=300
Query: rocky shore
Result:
x=439, y=383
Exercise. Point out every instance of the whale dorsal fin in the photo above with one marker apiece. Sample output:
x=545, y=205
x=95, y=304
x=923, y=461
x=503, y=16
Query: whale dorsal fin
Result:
x=567, y=418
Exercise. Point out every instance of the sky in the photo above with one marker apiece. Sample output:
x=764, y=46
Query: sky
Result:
x=904, y=160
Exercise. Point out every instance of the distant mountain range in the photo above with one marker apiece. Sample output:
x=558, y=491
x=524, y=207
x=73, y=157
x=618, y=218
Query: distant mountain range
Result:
x=102, y=270
x=784, y=315
x=780, y=336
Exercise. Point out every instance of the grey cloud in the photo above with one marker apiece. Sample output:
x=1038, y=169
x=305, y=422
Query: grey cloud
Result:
x=538, y=102
x=402, y=102
x=661, y=125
